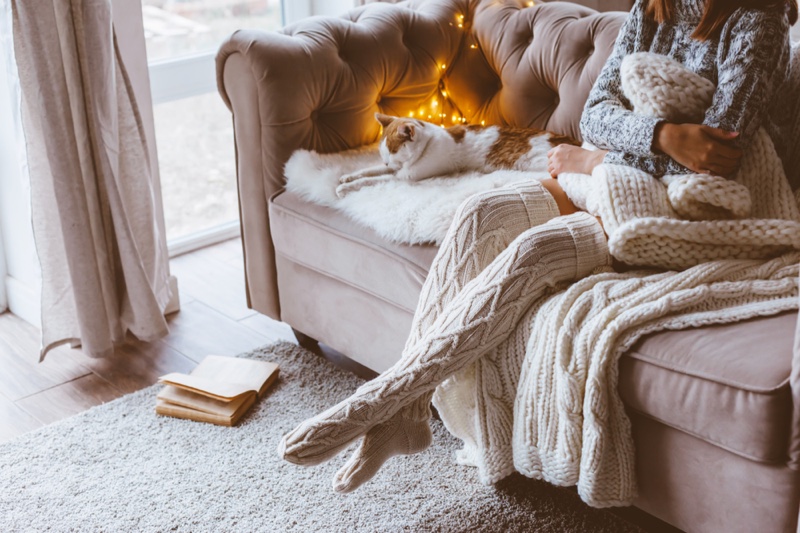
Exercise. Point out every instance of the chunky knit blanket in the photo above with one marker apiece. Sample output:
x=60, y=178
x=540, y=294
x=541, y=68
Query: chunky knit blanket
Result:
x=545, y=403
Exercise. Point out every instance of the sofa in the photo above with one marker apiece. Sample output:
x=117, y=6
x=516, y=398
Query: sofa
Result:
x=711, y=408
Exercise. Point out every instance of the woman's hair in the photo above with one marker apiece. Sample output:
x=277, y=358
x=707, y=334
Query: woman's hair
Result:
x=717, y=13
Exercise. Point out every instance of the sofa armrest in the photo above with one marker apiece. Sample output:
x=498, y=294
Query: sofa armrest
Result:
x=316, y=85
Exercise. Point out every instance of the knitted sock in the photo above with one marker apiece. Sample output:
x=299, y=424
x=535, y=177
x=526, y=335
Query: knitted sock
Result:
x=483, y=227
x=478, y=319
x=396, y=436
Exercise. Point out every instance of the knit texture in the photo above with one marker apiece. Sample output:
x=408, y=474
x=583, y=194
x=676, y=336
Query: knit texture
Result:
x=747, y=65
x=646, y=217
x=479, y=318
x=483, y=227
x=547, y=404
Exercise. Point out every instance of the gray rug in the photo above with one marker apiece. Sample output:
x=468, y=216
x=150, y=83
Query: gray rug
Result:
x=119, y=467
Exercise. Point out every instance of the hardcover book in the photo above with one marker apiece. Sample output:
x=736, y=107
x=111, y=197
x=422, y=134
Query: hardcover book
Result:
x=219, y=390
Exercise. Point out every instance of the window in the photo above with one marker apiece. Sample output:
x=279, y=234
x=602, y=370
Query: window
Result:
x=194, y=134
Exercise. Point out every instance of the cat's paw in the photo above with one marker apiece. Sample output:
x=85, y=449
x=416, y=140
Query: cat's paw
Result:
x=346, y=188
x=348, y=178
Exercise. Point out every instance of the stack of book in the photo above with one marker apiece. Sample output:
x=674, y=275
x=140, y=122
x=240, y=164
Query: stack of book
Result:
x=219, y=390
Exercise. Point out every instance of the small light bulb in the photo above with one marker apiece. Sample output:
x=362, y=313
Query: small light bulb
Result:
x=530, y=4
x=442, y=66
x=460, y=25
x=444, y=94
x=410, y=113
x=473, y=46
x=483, y=122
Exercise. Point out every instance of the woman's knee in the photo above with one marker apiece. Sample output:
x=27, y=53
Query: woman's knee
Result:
x=491, y=209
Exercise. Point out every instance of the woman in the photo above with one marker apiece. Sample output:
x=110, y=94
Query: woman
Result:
x=742, y=46
x=509, y=247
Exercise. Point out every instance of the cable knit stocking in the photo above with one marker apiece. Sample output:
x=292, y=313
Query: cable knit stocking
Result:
x=481, y=316
x=482, y=228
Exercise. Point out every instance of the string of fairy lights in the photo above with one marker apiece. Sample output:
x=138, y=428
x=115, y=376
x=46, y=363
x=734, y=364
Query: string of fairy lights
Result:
x=440, y=109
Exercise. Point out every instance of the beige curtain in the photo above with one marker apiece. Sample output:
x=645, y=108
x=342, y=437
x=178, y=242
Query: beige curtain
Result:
x=93, y=199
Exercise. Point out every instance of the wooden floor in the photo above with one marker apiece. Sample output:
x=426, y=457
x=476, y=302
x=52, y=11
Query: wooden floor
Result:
x=214, y=318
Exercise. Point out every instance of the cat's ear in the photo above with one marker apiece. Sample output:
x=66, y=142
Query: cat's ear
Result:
x=385, y=120
x=407, y=130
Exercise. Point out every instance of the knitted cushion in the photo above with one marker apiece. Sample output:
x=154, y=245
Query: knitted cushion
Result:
x=658, y=86
x=681, y=221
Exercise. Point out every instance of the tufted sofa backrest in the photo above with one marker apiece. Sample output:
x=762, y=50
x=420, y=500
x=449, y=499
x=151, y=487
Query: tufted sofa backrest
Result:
x=497, y=61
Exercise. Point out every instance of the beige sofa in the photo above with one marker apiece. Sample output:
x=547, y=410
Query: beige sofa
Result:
x=711, y=407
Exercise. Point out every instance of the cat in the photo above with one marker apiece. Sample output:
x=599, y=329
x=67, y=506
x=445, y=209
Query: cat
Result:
x=415, y=150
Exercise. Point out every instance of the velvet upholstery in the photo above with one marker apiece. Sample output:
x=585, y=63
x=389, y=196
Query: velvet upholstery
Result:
x=727, y=384
x=327, y=241
x=701, y=488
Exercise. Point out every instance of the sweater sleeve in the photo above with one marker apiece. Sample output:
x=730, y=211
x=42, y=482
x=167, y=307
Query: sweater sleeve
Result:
x=753, y=61
x=607, y=121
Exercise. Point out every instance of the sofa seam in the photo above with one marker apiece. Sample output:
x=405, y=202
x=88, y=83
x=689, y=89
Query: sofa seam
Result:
x=710, y=440
x=638, y=356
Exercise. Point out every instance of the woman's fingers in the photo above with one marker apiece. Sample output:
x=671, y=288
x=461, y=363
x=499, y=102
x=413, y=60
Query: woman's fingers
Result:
x=720, y=134
x=726, y=171
x=730, y=165
x=726, y=151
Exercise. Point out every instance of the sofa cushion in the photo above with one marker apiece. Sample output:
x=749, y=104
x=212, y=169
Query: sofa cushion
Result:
x=325, y=240
x=727, y=384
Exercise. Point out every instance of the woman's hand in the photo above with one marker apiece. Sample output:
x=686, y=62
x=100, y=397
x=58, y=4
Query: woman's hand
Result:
x=699, y=148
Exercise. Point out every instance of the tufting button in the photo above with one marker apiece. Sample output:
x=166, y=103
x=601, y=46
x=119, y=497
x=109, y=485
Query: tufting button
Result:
x=314, y=115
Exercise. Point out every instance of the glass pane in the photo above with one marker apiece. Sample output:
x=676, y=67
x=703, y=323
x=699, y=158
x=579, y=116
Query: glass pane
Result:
x=198, y=169
x=175, y=28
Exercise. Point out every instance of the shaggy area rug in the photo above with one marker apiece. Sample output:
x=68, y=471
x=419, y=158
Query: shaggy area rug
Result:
x=120, y=467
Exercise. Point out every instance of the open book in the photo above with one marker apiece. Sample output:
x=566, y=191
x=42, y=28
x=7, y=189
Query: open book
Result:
x=219, y=390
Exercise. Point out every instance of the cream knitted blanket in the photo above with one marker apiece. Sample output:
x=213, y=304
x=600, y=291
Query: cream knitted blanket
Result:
x=545, y=403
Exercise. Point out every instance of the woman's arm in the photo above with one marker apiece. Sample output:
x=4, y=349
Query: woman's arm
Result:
x=607, y=121
x=753, y=61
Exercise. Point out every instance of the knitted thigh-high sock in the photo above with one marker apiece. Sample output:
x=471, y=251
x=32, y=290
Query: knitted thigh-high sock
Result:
x=479, y=318
x=482, y=228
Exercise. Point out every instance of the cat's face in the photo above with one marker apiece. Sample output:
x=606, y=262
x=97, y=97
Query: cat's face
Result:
x=402, y=140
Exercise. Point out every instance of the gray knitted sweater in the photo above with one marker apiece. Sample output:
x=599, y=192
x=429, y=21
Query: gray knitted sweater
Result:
x=749, y=64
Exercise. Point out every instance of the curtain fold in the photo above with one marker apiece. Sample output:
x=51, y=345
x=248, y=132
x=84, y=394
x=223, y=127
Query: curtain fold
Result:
x=104, y=261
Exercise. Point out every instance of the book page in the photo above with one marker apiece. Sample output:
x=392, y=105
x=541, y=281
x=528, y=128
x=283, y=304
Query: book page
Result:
x=205, y=404
x=225, y=378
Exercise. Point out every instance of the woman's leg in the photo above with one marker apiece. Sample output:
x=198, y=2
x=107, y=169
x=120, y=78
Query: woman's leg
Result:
x=483, y=227
x=478, y=318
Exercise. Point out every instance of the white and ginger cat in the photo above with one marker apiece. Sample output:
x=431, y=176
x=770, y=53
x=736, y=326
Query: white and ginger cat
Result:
x=416, y=150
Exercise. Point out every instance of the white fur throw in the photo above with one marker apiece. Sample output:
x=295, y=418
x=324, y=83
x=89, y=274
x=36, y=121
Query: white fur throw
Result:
x=398, y=210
